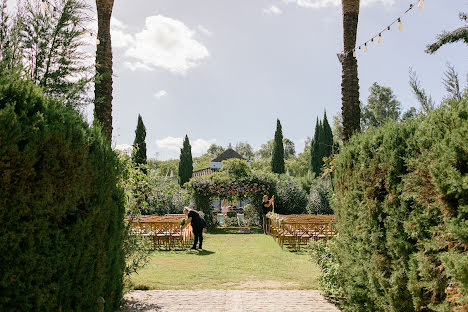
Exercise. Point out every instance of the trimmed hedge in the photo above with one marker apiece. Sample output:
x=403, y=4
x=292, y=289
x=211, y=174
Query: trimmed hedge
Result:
x=61, y=212
x=402, y=205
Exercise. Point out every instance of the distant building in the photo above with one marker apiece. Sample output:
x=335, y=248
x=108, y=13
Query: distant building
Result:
x=217, y=163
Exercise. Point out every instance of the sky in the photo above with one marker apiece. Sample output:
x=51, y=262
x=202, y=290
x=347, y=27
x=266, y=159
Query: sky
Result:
x=223, y=71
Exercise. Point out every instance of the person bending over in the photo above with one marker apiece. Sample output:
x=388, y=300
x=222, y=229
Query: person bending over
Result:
x=198, y=223
x=265, y=209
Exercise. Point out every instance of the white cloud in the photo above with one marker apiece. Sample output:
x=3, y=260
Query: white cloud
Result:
x=204, y=31
x=316, y=4
x=163, y=43
x=124, y=148
x=273, y=10
x=199, y=146
x=160, y=94
x=120, y=39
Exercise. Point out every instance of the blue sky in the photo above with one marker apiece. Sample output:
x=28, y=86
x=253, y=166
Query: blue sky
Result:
x=223, y=71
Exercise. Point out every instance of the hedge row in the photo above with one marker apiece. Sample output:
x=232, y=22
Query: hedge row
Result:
x=61, y=213
x=402, y=206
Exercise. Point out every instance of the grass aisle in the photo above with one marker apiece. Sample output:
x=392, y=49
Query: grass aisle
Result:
x=230, y=261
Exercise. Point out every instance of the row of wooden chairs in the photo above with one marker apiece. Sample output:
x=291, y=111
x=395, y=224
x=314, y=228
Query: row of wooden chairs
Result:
x=164, y=231
x=297, y=230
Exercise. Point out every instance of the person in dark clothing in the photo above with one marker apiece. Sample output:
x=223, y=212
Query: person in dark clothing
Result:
x=198, y=224
x=266, y=204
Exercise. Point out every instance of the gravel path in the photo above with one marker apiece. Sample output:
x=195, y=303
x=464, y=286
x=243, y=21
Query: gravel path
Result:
x=227, y=301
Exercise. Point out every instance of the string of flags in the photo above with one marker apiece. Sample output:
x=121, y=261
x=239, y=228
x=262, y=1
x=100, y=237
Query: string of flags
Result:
x=46, y=5
x=378, y=36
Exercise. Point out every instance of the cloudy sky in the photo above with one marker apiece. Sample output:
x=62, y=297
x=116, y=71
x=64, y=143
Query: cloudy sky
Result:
x=222, y=71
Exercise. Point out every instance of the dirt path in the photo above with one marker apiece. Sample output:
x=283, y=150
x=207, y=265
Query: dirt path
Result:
x=227, y=301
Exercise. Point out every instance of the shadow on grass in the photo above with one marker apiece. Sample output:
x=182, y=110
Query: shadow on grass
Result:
x=234, y=230
x=204, y=252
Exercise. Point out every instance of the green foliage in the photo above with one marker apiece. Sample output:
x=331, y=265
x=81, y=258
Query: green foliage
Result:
x=382, y=106
x=319, y=197
x=290, y=198
x=459, y=34
x=139, y=144
x=186, y=162
x=245, y=150
x=164, y=167
x=202, y=162
x=299, y=166
x=236, y=168
x=48, y=45
x=277, y=159
x=215, y=150
x=401, y=205
x=251, y=215
x=323, y=253
x=165, y=196
x=321, y=146
x=61, y=209
x=424, y=99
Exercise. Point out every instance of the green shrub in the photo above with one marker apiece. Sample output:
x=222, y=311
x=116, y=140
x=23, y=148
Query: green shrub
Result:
x=165, y=196
x=319, y=197
x=323, y=253
x=402, y=205
x=251, y=215
x=61, y=213
x=290, y=198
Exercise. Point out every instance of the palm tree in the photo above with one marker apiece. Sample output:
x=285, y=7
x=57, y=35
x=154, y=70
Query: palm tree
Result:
x=103, y=83
x=459, y=34
x=350, y=109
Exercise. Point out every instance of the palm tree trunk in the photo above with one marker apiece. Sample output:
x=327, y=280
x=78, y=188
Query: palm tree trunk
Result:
x=103, y=82
x=350, y=109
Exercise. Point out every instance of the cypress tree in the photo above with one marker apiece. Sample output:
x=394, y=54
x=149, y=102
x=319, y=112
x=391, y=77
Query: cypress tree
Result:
x=327, y=137
x=322, y=145
x=139, y=144
x=277, y=161
x=186, y=162
x=315, y=153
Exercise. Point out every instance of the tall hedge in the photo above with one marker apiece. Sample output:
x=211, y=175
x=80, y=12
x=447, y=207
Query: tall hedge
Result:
x=402, y=205
x=61, y=213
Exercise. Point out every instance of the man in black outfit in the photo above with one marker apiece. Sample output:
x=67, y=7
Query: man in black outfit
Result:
x=198, y=223
x=265, y=209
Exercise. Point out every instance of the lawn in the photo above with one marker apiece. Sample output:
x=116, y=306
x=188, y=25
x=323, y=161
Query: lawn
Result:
x=230, y=261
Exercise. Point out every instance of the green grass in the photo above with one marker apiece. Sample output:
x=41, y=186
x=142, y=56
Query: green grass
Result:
x=230, y=261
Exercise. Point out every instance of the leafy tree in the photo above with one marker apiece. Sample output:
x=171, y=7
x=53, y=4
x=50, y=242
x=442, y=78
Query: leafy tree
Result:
x=350, y=109
x=307, y=143
x=410, y=113
x=236, y=168
x=47, y=46
x=265, y=151
x=382, y=106
x=139, y=144
x=164, y=167
x=215, y=150
x=277, y=159
x=103, y=81
x=459, y=34
x=289, y=148
x=338, y=128
x=261, y=165
x=186, y=162
x=245, y=150
x=202, y=162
